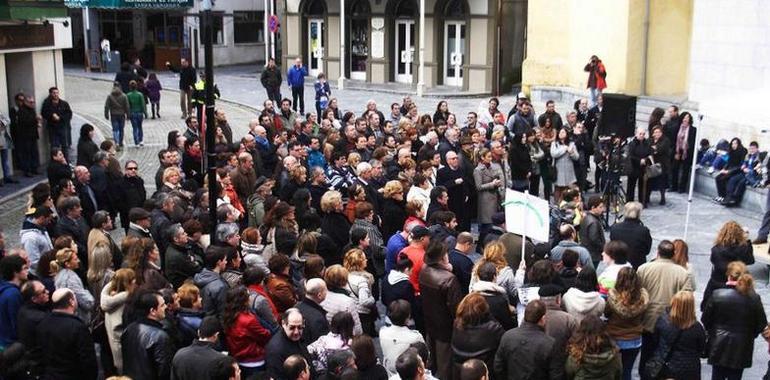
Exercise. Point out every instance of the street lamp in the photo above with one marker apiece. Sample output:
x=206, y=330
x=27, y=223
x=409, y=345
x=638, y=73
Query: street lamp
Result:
x=208, y=57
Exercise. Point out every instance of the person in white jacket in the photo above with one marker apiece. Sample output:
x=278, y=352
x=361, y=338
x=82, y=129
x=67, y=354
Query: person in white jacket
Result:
x=420, y=192
x=360, y=282
x=583, y=299
x=340, y=298
x=397, y=337
x=112, y=301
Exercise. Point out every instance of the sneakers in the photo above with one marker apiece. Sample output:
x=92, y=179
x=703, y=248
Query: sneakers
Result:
x=719, y=199
x=141, y=143
x=711, y=170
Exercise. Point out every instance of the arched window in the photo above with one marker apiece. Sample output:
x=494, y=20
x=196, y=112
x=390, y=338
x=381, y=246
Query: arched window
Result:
x=454, y=9
x=406, y=8
x=315, y=7
x=360, y=9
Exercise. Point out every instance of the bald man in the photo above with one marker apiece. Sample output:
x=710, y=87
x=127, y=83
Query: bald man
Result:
x=316, y=323
x=451, y=177
x=285, y=343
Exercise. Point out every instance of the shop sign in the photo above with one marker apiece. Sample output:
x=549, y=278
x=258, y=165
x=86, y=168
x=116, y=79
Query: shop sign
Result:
x=25, y=36
x=129, y=4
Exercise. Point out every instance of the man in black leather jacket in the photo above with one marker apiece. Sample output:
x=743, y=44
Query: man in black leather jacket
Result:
x=147, y=349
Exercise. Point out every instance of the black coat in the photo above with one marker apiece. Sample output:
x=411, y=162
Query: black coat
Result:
x=476, y=342
x=26, y=124
x=134, y=194
x=637, y=150
x=440, y=292
x=337, y=226
x=78, y=230
x=316, y=323
x=457, y=192
x=732, y=321
x=685, y=360
x=58, y=172
x=86, y=151
x=637, y=236
x=527, y=352
x=393, y=216
x=278, y=349
x=89, y=207
x=194, y=361
x=67, y=348
x=500, y=308
x=28, y=321
x=180, y=265
x=147, y=350
x=722, y=256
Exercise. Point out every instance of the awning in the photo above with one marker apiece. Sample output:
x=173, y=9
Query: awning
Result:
x=129, y=4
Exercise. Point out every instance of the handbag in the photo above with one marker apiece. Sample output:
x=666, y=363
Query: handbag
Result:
x=653, y=170
x=655, y=366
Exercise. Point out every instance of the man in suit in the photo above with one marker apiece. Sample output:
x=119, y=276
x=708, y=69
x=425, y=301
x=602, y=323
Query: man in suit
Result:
x=86, y=193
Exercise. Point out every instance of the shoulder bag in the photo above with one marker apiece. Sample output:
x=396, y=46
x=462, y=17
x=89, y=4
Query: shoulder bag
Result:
x=655, y=367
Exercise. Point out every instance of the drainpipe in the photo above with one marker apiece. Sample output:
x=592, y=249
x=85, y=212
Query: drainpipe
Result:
x=421, y=68
x=265, y=31
x=645, y=46
x=272, y=35
x=341, y=79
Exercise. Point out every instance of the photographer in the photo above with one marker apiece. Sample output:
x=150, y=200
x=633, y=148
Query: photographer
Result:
x=597, y=75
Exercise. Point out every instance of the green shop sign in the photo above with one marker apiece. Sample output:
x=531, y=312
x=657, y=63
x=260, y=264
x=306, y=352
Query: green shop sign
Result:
x=129, y=4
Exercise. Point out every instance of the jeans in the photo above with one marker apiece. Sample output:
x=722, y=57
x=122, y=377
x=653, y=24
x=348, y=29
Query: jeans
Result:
x=628, y=357
x=58, y=137
x=764, y=229
x=594, y=94
x=274, y=94
x=736, y=187
x=136, y=126
x=118, y=124
x=298, y=96
x=7, y=172
x=724, y=373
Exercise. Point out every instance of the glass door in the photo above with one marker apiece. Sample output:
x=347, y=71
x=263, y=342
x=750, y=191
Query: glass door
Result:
x=359, y=48
x=404, y=50
x=454, y=47
x=315, y=46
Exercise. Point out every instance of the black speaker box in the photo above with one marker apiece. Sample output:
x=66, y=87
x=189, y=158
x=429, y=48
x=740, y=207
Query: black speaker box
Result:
x=618, y=115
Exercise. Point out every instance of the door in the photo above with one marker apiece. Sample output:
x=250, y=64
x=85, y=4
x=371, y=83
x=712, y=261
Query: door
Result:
x=404, y=50
x=454, y=48
x=315, y=46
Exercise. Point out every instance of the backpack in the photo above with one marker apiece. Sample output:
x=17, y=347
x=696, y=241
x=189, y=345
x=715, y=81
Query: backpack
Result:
x=255, y=210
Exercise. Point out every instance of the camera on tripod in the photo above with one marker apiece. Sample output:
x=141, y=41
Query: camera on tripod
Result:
x=612, y=150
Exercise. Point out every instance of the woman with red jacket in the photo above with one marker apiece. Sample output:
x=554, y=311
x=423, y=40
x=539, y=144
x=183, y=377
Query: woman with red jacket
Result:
x=597, y=77
x=245, y=337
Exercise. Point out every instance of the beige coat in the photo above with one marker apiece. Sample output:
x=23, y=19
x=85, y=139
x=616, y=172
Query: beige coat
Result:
x=113, y=317
x=662, y=278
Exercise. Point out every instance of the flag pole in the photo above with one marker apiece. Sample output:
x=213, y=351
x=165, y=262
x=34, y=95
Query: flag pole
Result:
x=692, y=178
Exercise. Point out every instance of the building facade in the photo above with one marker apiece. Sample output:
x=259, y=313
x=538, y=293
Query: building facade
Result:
x=708, y=56
x=33, y=37
x=168, y=30
x=462, y=43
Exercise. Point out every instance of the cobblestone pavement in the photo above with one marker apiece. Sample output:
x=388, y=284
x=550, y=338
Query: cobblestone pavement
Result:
x=241, y=85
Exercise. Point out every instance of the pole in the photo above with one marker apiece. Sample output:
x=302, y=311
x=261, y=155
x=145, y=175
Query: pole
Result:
x=341, y=79
x=265, y=30
x=421, y=67
x=208, y=57
x=524, y=230
x=272, y=35
x=692, y=178
x=86, y=40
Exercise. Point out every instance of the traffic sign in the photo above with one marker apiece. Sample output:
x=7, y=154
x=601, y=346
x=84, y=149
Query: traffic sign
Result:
x=274, y=23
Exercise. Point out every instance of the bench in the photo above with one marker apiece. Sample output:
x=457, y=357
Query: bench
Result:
x=753, y=199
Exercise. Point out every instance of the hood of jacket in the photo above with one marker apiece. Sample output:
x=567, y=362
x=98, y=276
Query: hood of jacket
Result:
x=395, y=277
x=628, y=311
x=595, y=366
x=28, y=226
x=205, y=277
x=583, y=301
x=487, y=288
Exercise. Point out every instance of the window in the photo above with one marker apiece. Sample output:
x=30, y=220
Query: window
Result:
x=248, y=27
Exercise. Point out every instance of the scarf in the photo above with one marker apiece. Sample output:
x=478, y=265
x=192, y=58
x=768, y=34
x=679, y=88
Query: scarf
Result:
x=681, y=140
x=262, y=142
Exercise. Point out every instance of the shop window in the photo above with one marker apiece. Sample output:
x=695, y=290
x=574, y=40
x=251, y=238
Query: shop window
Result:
x=248, y=27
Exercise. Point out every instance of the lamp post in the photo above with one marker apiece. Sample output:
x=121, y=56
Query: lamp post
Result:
x=341, y=79
x=208, y=57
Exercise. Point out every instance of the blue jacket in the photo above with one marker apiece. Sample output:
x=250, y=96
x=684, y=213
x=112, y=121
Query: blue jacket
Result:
x=296, y=76
x=395, y=244
x=10, y=303
x=321, y=89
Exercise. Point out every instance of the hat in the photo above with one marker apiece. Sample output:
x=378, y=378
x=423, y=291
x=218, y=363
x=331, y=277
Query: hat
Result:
x=522, y=95
x=498, y=218
x=419, y=232
x=465, y=140
x=549, y=290
x=137, y=214
x=260, y=181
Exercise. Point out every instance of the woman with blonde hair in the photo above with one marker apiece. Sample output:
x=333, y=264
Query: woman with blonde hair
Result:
x=113, y=300
x=360, y=282
x=494, y=253
x=340, y=298
x=393, y=212
x=681, y=340
x=100, y=269
x=732, y=244
x=333, y=221
x=682, y=258
x=733, y=317
x=64, y=265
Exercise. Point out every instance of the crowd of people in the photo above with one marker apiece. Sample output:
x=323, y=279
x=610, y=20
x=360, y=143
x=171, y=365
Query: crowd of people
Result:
x=324, y=220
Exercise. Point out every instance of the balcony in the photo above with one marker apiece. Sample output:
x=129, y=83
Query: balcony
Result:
x=31, y=9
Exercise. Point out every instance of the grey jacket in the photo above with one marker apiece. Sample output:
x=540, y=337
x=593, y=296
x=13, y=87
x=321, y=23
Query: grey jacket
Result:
x=67, y=278
x=213, y=289
x=584, y=257
x=592, y=235
x=35, y=241
x=116, y=104
x=488, y=195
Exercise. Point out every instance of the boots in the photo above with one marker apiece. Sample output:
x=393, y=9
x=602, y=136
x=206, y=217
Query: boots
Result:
x=663, y=197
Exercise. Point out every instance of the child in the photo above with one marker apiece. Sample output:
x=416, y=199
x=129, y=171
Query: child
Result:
x=153, y=91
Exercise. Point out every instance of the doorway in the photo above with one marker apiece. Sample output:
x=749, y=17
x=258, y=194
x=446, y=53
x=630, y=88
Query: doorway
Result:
x=315, y=46
x=404, y=50
x=454, y=48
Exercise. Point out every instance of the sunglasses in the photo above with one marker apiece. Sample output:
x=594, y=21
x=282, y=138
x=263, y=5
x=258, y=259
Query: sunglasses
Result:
x=132, y=168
